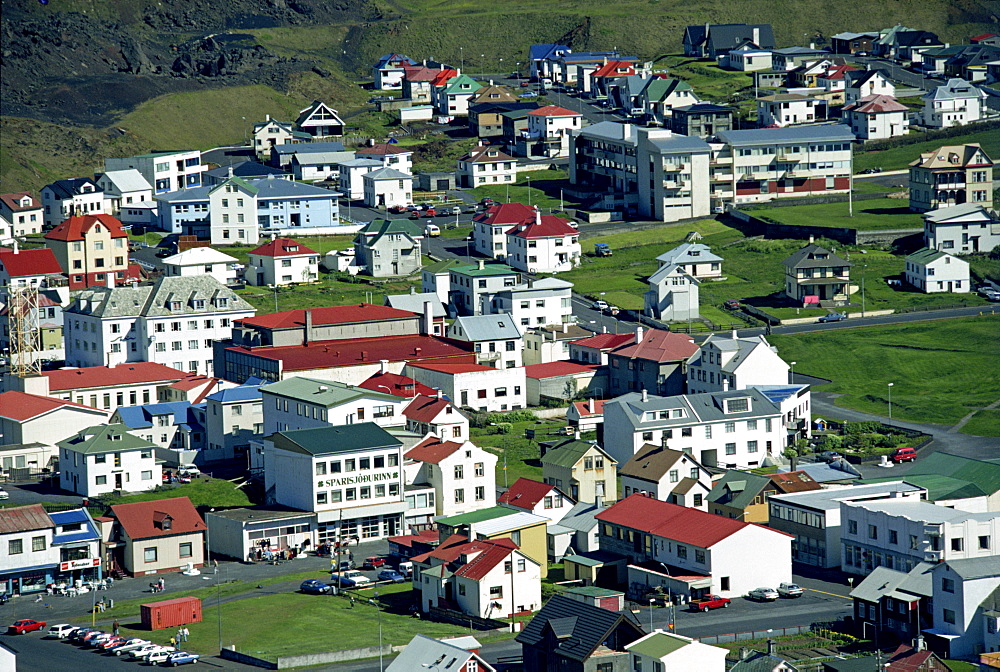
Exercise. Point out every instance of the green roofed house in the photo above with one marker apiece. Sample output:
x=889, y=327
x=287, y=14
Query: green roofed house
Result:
x=389, y=247
x=933, y=271
x=302, y=403
x=740, y=495
x=582, y=469
x=525, y=529
x=106, y=458
x=953, y=480
x=436, y=278
x=665, y=650
x=452, y=99
x=660, y=96
x=473, y=285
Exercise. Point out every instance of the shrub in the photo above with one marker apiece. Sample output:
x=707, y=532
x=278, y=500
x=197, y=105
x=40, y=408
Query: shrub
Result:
x=502, y=428
x=522, y=415
x=865, y=427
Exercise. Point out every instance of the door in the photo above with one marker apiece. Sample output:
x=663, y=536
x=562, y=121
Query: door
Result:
x=118, y=481
x=260, y=279
x=951, y=286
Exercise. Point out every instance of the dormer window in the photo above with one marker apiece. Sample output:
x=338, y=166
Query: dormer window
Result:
x=198, y=304
x=114, y=437
x=174, y=305
x=222, y=302
x=739, y=405
x=164, y=521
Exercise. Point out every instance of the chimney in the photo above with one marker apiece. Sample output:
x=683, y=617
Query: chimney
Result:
x=812, y=45
x=267, y=117
x=383, y=366
x=744, y=652
x=604, y=329
x=576, y=435
x=440, y=393
x=308, y=335
x=645, y=394
x=772, y=647
x=756, y=36
x=591, y=406
x=919, y=644
x=364, y=355
x=811, y=240
x=427, y=320
x=565, y=327
x=482, y=264
x=725, y=384
x=16, y=248
x=638, y=335
x=735, y=335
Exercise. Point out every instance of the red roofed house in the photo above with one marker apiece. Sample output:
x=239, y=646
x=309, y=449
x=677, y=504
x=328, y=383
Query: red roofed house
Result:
x=489, y=232
x=33, y=418
x=607, y=73
x=164, y=535
x=89, y=247
x=541, y=499
x=475, y=386
x=23, y=211
x=436, y=415
x=564, y=380
x=653, y=364
x=418, y=82
x=27, y=268
x=108, y=387
x=487, y=578
x=549, y=131
x=704, y=553
x=586, y=416
x=594, y=349
x=391, y=156
x=461, y=474
x=485, y=165
x=282, y=261
x=543, y=244
x=877, y=117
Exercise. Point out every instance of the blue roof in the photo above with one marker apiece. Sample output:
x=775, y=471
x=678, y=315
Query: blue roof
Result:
x=384, y=60
x=680, y=143
x=778, y=393
x=88, y=533
x=806, y=133
x=248, y=391
x=540, y=51
x=192, y=194
x=140, y=417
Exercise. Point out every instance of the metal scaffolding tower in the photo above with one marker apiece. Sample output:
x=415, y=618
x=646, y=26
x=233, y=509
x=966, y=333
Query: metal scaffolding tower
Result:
x=22, y=314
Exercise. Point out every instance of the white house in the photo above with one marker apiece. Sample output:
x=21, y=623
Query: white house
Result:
x=734, y=363
x=549, y=131
x=389, y=71
x=233, y=416
x=351, y=172
x=787, y=109
x=966, y=618
x=936, y=271
x=424, y=652
x=232, y=208
x=282, y=261
x=860, y=84
x=747, y=59
x=489, y=229
x=462, y=474
x=710, y=551
x=541, y=499
x=301, y=403
x=102, y=459
x=496, y=338
x=961, y=229
x=202, y=261
x=172, y=322
x=165, y=171
x=33, y=418
x=695, y=258
x=673, y=294
x=24, y=213
x=386, y=188
x=877, y=117
x=390, y=155
x=26, y=268
x=485, y=165
x=130, y=195
x=79, y=195
x=433, y=414
x=548, y=244
x=661, y=650
x=954, y=103
x=272, y=133
x=668, y=475
x=472, y=287
x=475, y=386
x=735, y=429
x=537, y=303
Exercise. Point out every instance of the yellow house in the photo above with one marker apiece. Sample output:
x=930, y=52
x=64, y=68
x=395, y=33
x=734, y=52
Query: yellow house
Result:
x=526, y=530
x=89, y=248
x=164, y=535
x=582, y=470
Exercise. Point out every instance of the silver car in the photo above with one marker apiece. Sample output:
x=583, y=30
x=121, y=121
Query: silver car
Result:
x=763, y=594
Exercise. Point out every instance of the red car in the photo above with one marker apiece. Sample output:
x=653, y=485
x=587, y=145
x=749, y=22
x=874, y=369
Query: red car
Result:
x=24, y=626
x=904, y=455
x=430, y=212
x=373, y=562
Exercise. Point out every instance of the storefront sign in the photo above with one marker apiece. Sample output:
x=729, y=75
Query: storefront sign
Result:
x=79, y=564
x=360, y=478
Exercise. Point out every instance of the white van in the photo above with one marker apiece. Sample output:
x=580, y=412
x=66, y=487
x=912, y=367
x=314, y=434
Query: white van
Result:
x=61, y=630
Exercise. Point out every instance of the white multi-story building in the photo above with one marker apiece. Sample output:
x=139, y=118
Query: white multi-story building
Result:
x=485, y=165
x=545, y=244
x=536, y=303
x=462, y=474
x=24, y=213
x=877, y=118
x=860, y=84
x=899, y=534
x=737, y=429
x=109, y=387
x=130, y=195
x=282, y=261
x=233, y=417
x=202, y=261
x=965, y=610
x=489, y=229
x=475, y=386
x=961, y=229
x=75, y=196
x=471, y=287
x=100, y=460
x=787, y=109
x=164, y=171
x=301, y=403
x=936, y=271
x=496, y=338
x=172, y=322
x=233, y=213
x=431, y=414
x=954, y=103
x=734, y=363
x=387, y=188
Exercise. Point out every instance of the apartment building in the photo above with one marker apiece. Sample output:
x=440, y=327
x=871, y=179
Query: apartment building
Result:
x=734, y=363
x=164, y=171
x=92, y=250
x=301, y=403
x=102, y=459
x=75, y=196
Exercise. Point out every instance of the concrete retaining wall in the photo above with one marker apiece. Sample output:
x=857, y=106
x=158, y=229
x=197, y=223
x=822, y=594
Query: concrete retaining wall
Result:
x=763, y=227
x=286, y=662
x=810, y=320
x=549, y=413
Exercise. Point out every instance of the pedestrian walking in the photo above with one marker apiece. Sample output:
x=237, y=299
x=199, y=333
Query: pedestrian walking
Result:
x=115, y=626
x=173, y=641
x=185, y=633
x=163, y=584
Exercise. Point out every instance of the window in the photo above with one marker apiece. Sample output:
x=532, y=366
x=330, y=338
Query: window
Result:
x=958, y=544
x=480, y=493
x=15, y=546
x=730, y=449
x=496, y=592
x=852, y=527
x=38, y=543
x=984, y=543
x=699, y=556
x=186, y=550
x=321, y=468
x=459, y=495
x=146, y=475
x=149, y=554
x=751, y=446
x=872, y=532
x=947, y=585
x=913, y=542
x=459, y=472
x=674, y=476
x=893, y=537
x=948, y=615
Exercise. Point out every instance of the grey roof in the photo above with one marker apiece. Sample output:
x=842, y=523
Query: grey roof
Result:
x=830, y=499
x=788, y=135
x=515, y=521
x=737, y=489
x=261, y=514
x=199, y=255
x=883, y=582
x=313, y=158
x=800, y=51
x=387, y=174
x=668, y=270
x=743, y=347
x=485, y=328
x=954, y=89
x=975, y=568
x=581, y=518
x=758, y=661
x=579, y=628
x=63, y=189
x=921, y=511
x=679, y=144
x=839, y=470
x=940, y=215
x=104, y=439
x=185, y=195
x=270, y=187
x=612, y=130
x=301, y=147
x=127, y=180
x=807, y=258
x=704, y=407
x=689, y=253
x=327, y=393
x=425, y=652
x=847, y=35
x=703, y=107
x=246, y=170
x=359, y=163
x=151, y=300
x=724, y=36
x=415, y=303
x=336, y=439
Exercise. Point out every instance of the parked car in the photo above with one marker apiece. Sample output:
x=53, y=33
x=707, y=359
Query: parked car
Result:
x=709, y=602
x=391, y=575
x=790, y=590
x=181, y=658
x=487, y=202
x=126, y=641
x=398, y=209
x=833, y=317
x=763, y=594
x=602, y=250
x=314, y=587
x=903, y=455
x=4, y=494
x=143, y=651
x=415, y=214
x=188, y=470
x=405, y=568
x=430, y=212
x=160, y=657
x=614, y=310
x=830, y=456
x=432, y=230
x=731, y=304
x=871, y=171
x=24, y=626
x=129, y=648
x=86, y=639
x=97, y=640
x=357, y=577
x=60, y=630
x=456, y=210
x=373, y=562
x=472, y=208
x=599, y=305
x=164, y=252
x=108, y=644
x=989, y=294
x=345, y=565
x=78, y=634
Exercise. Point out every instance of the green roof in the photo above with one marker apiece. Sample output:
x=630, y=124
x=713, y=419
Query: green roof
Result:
x=581, y=560
x=593, y=591
x=239, y=182
x=658, y=645
x=377, y=228
x=925, y=256
x=948, y=476
x=738, y=489
x=324, y=392
x=658, y=89
x=334, y=440
x=442, y=266
x=462, y=84
x=476, y=516
x=567, y=454
x=486, y=270
x=104, y=439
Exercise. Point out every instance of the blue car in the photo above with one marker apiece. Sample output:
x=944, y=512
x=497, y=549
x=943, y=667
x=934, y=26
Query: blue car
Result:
x=181, y=658
x=314, y=587
x=391, y=575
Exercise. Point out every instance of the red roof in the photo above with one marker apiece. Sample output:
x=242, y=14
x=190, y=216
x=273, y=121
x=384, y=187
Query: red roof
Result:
x=876, y=103
x=907, y=659
x=660, y=346
x=283, y=247
x=442, y=77
x=423, y=536
x=837, y=71
x=554, y=111
x=382, y=149
x=419, y=73
x=558, y=368
x=293, y=319
x=984, y=36
x=490, y=552
x=401, y=386
x=506, y=214
x=452, y=367
x=611, y=69
x=680, y=523
x=488, y=559
x=75, y=228
x=544, y=226
x=20, y=406
x=583, y=408
x=432, y=450
x=25, y=263
x=351, y=352
x=525, y=493
x=13, y=201
x=428, y=408
x=134, y=373
x=24, y=519
x=144, y=520
x=604, y=341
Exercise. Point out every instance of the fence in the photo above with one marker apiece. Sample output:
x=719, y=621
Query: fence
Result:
x=459, y=618
x=754, y=634
x=286, y=662
x=769, y=228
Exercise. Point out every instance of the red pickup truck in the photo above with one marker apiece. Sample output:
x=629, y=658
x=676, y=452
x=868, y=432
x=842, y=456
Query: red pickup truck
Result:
x=709, y=602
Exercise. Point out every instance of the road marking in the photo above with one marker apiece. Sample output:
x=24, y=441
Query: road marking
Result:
x=846, y=597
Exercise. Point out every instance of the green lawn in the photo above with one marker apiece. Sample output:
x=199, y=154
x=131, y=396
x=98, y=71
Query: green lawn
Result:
x=898, y=158
x=937, y=368
x=984, y=423
x=536, y=187
x=984, y=266
x=869, y=215
x=522, y=454
x=333, y=289
x=708, y=80
x=319, y=244
x=201, y=492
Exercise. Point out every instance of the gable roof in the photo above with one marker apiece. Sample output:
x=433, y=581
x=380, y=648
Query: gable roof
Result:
x=461, y=84
x=13, y=201
x=324, y=392
x=506, y=214
x=926, y=255
x=414, y=302
x=537, y=52
x=327, y=315
x=658, y=89
x=27, y=263
x=604, y=341
x=144, y=520
x=199, y=255
x=24, y=519
x=525, y=493
x=425, y=652
x=659, y=346
x=382, y=149
x=20, y=406
x=488, y=327
x=876, y=104
x=488, y=559
x=104, y=439
x=335, y=439
x=583, y=408
x=558, y=369
x=132, y=373
x=432, y=449
x=283, y=247
x=952, y=156
x=543, y=226
x=373, y=231
x=578, y=627
x=809, y=257
x=794, y=481
x=737, y=489
x=306, y=115
x=126, y=180
x=386, y=174
x=67, y=189
x=452, y=368
x=485, y=154
x=651, y=462
x=567, y=453
x=553, y=111
x=152, y=300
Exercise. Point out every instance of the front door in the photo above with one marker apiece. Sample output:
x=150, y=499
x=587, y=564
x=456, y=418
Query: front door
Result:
x=118, y=481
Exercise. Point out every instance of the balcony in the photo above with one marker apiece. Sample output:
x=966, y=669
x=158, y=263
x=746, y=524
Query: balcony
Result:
x=673, y=167
x=487, y=356
x=933, y=556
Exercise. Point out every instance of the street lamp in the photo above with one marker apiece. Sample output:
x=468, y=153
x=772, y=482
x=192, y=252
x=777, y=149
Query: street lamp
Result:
x=791, y=369
x=652, y=601
x=461, y=51
x=890, y=400
x=864, y=267
x=379, y=610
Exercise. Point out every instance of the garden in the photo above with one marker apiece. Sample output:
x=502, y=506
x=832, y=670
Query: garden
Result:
x=860, y=441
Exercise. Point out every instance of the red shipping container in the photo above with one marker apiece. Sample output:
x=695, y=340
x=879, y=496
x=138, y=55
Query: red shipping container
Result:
x=171, y=613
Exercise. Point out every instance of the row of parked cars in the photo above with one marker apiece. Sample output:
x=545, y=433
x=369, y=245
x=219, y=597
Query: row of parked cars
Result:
x=709, y=602
x=349, y=577
x=133, y=648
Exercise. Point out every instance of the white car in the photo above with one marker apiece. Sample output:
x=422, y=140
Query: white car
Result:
x=4, y=494
x=599, y=305
x=357, y=577
x=790, y=590
x=60, y=630
x=763, y=594
x=130, y=646
x=144, y=650
x=161, y=656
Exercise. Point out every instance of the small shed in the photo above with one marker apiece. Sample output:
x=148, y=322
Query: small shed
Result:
x=416, y=113
x=605, y=598
x=170, y=613
x=439, y=181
